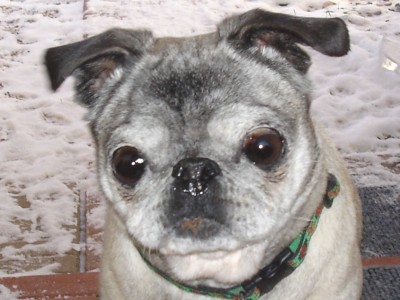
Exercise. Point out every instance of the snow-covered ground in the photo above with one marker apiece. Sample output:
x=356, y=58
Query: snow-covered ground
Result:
x=47, y=156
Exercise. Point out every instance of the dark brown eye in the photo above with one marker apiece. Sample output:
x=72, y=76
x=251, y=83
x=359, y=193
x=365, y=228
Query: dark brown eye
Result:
x=128, y=165
x=263, y=146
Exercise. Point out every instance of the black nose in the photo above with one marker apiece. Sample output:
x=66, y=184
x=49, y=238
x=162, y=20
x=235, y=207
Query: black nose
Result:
x=194, y=174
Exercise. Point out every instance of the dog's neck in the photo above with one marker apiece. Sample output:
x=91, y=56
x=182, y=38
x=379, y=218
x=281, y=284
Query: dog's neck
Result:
x=282, y=266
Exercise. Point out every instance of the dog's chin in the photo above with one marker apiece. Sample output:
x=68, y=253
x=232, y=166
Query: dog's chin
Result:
x=219, y=268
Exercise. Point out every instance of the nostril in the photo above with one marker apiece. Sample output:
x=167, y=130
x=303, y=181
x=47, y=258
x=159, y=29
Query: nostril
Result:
x=210, y=170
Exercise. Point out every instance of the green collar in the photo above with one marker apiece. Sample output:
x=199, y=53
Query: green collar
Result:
x=283, y=265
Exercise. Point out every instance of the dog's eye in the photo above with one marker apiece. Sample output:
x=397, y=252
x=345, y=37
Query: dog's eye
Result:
x=263, y=146
x=128, y=165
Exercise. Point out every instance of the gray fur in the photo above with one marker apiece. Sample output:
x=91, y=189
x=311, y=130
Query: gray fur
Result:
x=175, y=98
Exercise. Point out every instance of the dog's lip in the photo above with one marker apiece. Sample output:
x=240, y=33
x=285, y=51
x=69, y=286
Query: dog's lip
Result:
x=218, y=252
x=173, y=248
x=213, y=255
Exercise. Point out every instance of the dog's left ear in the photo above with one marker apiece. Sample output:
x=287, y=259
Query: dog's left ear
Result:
x=95, y=60
x=258, y=29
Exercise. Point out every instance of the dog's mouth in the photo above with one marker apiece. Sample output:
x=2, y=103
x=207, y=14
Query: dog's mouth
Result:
x=198, y=235
x=194, y=254
x=221, y=266
x=197, y=228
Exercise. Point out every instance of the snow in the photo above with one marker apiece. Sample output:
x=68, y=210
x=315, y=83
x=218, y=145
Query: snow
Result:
x=46, y=152
x=6, y=293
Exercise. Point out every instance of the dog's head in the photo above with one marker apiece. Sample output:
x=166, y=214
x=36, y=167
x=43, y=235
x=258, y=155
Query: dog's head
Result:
x=205, y=146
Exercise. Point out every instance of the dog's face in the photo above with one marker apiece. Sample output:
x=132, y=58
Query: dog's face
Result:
x=205, y=146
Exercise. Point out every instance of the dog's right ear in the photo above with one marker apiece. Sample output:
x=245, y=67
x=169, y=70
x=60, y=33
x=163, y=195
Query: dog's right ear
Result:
x=94, y=60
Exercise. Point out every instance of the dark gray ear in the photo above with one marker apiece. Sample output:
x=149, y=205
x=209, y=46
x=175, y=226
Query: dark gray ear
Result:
x=95, y=59
x=258, y=28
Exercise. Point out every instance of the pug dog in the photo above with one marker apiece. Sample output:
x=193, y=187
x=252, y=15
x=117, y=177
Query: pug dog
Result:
x=217, y=180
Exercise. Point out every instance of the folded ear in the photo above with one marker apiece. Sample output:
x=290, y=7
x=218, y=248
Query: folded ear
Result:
x=258, y=29
x=95, y=59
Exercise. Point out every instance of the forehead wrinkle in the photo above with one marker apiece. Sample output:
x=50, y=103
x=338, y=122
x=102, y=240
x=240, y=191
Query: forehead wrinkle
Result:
x=183, y=81
x=180, y=89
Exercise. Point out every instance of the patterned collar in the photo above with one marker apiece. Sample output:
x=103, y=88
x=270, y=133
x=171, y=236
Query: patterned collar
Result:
x=283, y=265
